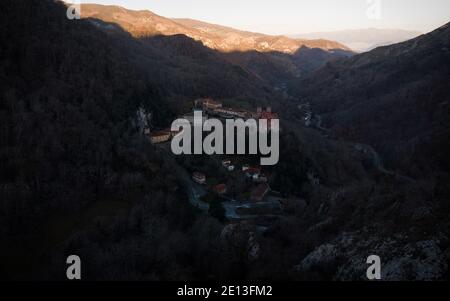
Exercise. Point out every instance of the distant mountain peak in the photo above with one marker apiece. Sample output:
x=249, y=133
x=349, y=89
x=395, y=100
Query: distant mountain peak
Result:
x=366, y=39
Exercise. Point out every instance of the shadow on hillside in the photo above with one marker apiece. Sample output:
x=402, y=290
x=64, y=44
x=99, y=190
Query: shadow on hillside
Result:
x=271, y=67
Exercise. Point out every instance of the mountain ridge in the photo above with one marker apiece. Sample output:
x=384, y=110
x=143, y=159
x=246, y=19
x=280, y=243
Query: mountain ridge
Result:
x=144, y=23
x=365, y=39
x=273, y=59
x=293, y=44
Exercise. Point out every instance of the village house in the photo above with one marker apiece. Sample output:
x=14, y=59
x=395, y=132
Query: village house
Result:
x=230, y=112
x=160, y=136
x=190, y=117
x=265, y=114
x=260, y=178
x=227, y=164
x=251, y=172
x=216, y=108
x=259, y=192
x=220, y=189
x=268, y=115
x=199, y=178
x=210, y=105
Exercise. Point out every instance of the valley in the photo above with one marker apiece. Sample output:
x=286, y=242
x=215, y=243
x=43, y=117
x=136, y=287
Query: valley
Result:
x=85, y=151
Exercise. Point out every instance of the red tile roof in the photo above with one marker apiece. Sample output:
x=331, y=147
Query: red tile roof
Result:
x=159, y=133
x=221, y=188
x=268, y=115
x=253, y=170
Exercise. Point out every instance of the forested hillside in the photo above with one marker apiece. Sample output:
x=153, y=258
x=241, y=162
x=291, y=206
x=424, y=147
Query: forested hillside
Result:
x=257, y=59
x=395, y=98
x=71, y=159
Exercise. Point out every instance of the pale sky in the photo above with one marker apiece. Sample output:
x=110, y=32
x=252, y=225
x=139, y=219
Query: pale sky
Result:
x=299, y=16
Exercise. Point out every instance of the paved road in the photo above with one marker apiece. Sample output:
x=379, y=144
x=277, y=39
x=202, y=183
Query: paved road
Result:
x=193, y=190
x=232, y=205
x=376, y=160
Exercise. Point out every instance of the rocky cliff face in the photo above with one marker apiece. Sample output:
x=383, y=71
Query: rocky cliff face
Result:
x=424, y=260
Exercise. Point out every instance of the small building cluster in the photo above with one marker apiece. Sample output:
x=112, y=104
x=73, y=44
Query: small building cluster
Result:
x=209, y=107
x=208, y=104
x=254, y=173
x=212, y=108
x=251, y=172
x=265, y=113
x=216, y=108
x=190, y=117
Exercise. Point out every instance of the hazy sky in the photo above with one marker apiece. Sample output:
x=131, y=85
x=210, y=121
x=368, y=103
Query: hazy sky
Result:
x=300, y=16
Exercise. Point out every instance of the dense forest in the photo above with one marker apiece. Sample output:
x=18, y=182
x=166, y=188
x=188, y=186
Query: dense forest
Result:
x=78, y=177
x=76, y=174
x=70, y=150
x=184, y=69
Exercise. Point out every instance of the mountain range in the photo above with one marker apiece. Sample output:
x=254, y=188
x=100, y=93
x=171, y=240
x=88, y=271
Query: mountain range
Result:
x=271, y=58
x=225, y=39
x=362, y=40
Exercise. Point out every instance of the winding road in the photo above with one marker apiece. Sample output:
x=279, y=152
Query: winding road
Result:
x=376, y=158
